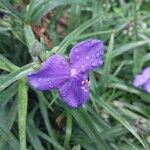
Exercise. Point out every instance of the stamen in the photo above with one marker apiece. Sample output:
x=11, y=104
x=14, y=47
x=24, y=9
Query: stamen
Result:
x=82, y=87
x=83, y=82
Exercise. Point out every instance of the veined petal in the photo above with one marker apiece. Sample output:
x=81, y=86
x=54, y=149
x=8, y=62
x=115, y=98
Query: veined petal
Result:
x=87, y=55
x=52, y=74
x=75, y=92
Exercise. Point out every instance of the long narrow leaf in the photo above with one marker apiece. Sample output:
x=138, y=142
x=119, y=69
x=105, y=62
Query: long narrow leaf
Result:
x=22, y=113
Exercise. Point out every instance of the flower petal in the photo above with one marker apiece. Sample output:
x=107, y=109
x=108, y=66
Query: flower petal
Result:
x=53, y=73
x=147, y=87
x=146, y=73
x=75, y=92
x=139, y=80
x=87, y=55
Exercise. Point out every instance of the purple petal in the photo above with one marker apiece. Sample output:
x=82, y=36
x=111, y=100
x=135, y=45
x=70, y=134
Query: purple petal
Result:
x=87, y=55
x=139, y=80
x=146, y=73
x=147, y=87
x=75, y=92
x=52, y=74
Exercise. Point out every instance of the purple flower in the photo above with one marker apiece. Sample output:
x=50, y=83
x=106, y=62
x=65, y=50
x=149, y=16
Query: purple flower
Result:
x=143, y=80
x=70, y=78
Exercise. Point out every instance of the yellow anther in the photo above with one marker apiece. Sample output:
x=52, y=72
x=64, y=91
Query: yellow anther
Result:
x=83, y=82
x=82, y=87
x=85, y=90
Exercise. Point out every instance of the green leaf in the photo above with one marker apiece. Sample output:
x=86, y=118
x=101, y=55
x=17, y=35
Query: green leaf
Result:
x=69, y=38
x=9, y=137
x=108, y=56
x=118, y=117
x=41, y=8
x=6, y=65
x=44, y=112
x=31, y=131
x=50, y=140
x=68, y=130
x=8, y=93
x=9, y=121
x=86, y=124
x=127, y=47
x=22, y=112
x=15, y=75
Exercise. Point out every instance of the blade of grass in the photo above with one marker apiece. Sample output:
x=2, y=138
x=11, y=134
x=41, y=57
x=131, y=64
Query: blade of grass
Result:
x=44, y=113
x=7, y=65
x=8, y=93
x=15, y=75
x=48, y=6
x=9, y=122
x=118, y=117
x=107, y=65
x=128, y=47
x=31, y=131
x=68, y=130
x=86, y=124
x=50, y=140
x=22, y=112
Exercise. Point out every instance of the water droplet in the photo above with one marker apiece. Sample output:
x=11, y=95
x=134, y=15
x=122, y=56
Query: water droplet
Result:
x=73, y=72
x=63, y=94
x=77, y=57
x=76, y=50
x=83, y=68
x=94, y=64
x=50, y=84
x=83, y=82
x=93, y=55
x=87, y=57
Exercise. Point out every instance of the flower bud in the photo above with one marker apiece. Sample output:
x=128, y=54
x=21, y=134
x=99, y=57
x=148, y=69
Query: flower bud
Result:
x=36, y=49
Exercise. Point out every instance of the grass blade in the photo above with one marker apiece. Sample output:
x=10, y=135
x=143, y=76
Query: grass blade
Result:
x=118, y=117
x=22, y=112
x=15, y=75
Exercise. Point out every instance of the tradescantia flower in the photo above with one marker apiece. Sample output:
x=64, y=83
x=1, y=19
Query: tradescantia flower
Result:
x=143, y=80
x=70, y=77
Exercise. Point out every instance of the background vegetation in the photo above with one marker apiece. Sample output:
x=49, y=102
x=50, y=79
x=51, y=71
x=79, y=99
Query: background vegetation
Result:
x=117, y=116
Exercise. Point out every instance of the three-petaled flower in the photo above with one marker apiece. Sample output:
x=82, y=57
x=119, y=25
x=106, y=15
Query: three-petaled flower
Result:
x=143, y=80
x=70, y=77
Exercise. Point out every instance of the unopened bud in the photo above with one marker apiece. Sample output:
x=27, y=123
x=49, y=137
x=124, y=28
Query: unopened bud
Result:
x=36, y=49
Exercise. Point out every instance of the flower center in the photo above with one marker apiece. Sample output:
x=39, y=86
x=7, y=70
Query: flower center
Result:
x=85, y=85
x=73, y=72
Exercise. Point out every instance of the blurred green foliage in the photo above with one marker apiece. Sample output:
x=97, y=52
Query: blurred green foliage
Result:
x=117, y=116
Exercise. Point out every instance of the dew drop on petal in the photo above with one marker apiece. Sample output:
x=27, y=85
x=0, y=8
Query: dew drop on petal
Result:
x=93, y=55
x=94, y=64
x=88, y=57
x=76, y=50
x=64, y=94
x=77, y=57
x=83, y=68
x=73, y=72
